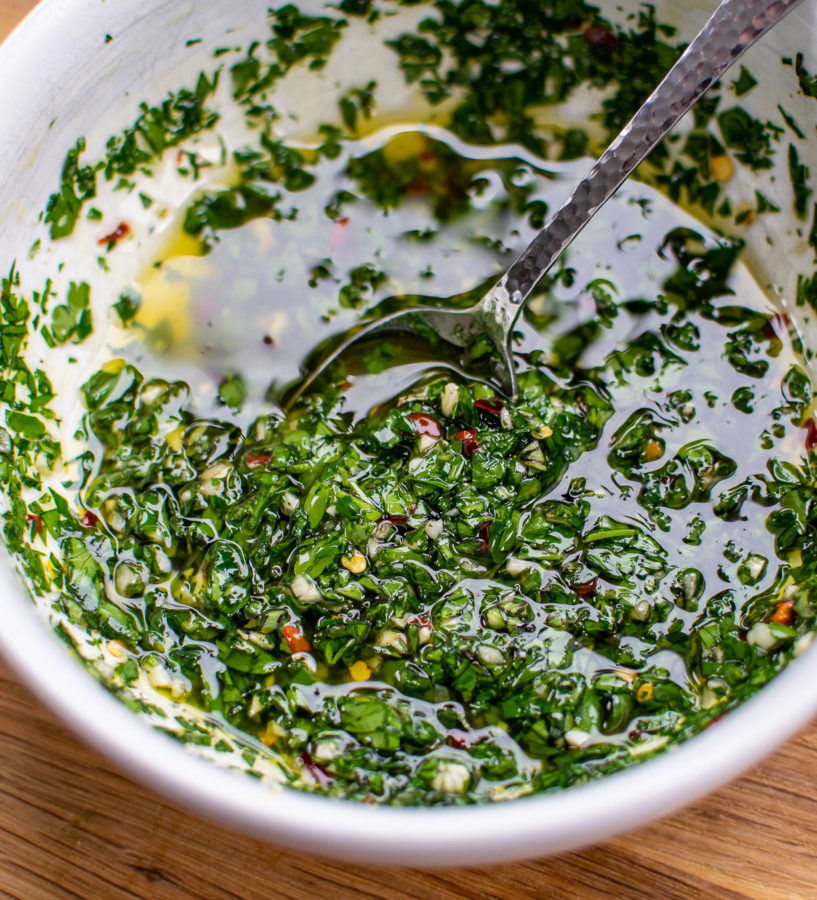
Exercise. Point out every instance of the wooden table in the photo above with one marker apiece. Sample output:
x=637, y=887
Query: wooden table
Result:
x=71, y=826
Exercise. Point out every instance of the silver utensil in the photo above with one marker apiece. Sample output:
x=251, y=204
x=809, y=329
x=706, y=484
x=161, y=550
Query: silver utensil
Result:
x=732, y=29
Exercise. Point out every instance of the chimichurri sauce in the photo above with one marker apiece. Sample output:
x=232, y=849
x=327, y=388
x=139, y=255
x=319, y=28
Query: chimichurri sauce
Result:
x=410, y=589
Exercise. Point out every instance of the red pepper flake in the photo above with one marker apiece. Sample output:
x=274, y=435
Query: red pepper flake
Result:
x=601, y=38
x=742, y=634
x=425, y=424
x=634, y=735
x=89, y=519
x=122, y=230
x=776, y=325
x=180, y=157
x=400, y=520
x=784, y=612
x=769, y=331
x=254, y=460
x=344, y=385
x=36, y=521
x=470, y=444
x=586, y=588
x=582, y=404
x=297, y=642
x=338, y=232
x=811, y=433
x=459, y=739
x=493, y=406
x=316, y=770
x=421, y=621
x=418, y=186
x=485, y=531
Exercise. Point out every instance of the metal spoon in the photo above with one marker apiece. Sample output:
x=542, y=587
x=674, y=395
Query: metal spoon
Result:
x=733, y=28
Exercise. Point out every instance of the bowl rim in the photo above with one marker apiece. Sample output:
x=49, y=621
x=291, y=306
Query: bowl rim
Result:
x=531, y=826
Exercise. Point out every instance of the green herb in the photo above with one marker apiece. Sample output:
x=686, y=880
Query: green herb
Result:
x=504, y=76
x=355, y=102
x=808, y=82
x=474, y=569
x=748, y=136
x=232, y=392
x=126, y=307
x=24, y=425
x=159, y=127
x=812, y=237
x=799, y=174
x=744, y=82
x=78, y=185
x=764, y=204
x=72, y=320
x=179, y=117
x=791, y=123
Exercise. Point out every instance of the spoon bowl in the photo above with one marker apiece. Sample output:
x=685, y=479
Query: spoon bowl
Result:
x=459, y=328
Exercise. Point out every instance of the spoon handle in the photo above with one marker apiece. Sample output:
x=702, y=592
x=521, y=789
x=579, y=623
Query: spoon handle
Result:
x=733, y=28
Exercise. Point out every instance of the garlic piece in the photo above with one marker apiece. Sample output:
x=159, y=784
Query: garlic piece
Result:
x=305, y=590
x=491, y=656
x=434, y=528
x=762, y=636
x=425, y=442
x=451, y=778
x=289, y=503
x=578, y=738
x=213, y=477
x=449, y=399
x=516, y=566
x=393, y=640
x=326, y=750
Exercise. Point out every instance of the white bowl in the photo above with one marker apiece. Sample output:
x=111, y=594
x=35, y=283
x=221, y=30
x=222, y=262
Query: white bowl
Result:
x=60, y=79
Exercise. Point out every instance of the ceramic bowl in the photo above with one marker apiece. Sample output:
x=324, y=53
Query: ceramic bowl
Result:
x=61, y=77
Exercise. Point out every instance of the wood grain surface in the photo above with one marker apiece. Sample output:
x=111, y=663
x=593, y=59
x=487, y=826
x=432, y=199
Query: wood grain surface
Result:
x=72, y=826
